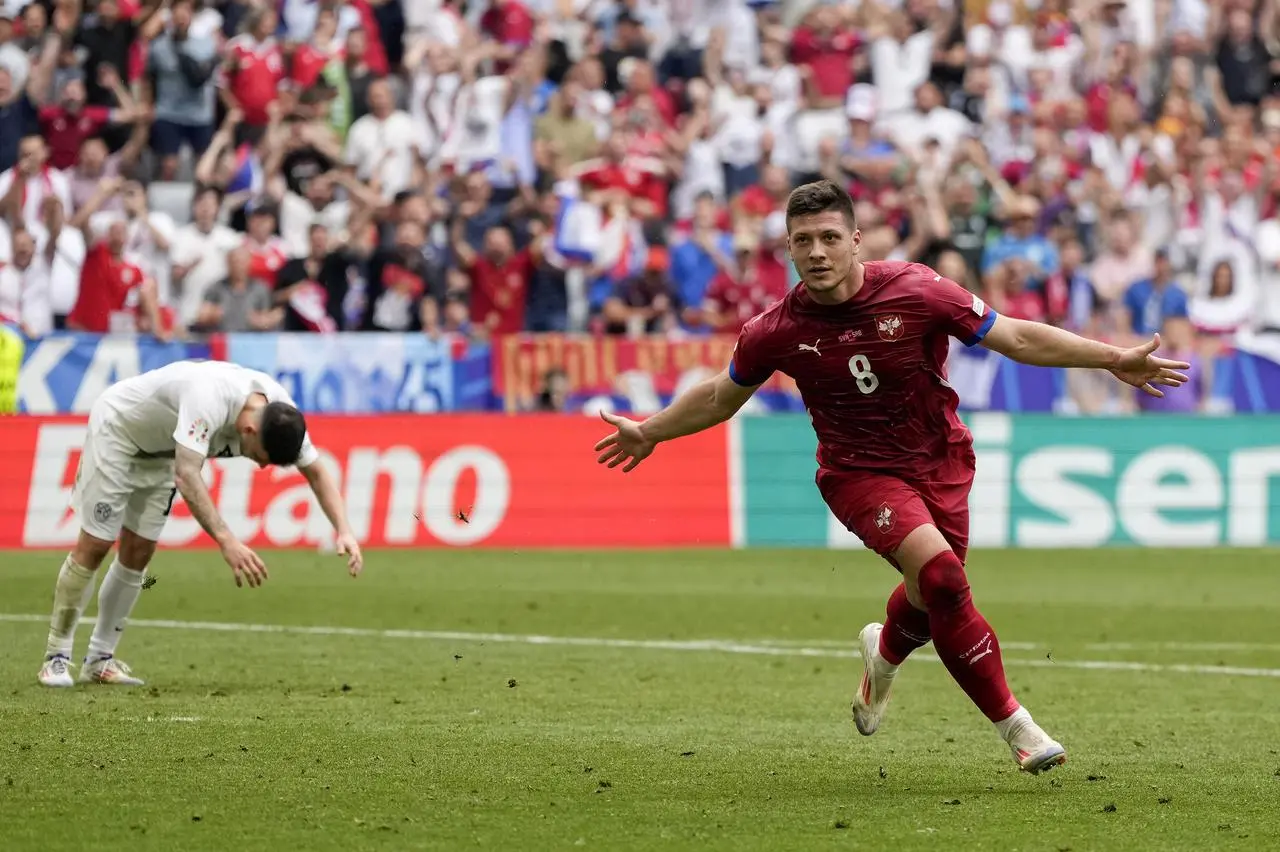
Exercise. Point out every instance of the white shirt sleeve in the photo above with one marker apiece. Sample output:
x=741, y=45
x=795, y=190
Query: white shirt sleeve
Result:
x=200, y=414
x=308, y=455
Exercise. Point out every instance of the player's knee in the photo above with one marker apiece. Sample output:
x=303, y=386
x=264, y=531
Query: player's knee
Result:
x=135, y=551
x=943, y=584
x=89, y=551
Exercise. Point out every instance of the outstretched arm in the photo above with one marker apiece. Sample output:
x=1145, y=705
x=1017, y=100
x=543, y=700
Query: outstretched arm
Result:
x=1043, y=345
x=704, y=405
x=245, y=564
x=330, y=499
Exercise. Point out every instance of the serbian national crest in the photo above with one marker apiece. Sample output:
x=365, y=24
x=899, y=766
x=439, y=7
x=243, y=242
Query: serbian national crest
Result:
x=884, y=518
x=890, y=327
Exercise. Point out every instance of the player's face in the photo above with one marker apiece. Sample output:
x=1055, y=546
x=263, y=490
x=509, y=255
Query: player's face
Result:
x=251, y=448
x=823, y=248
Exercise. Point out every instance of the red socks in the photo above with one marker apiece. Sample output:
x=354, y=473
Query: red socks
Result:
x=905, y=628
x=962, y=637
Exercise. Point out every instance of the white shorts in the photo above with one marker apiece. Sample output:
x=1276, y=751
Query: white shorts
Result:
x=114, y=488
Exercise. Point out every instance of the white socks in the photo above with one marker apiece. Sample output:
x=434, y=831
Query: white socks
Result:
x=1016, y=720
x=70, y=597
x=119, y=592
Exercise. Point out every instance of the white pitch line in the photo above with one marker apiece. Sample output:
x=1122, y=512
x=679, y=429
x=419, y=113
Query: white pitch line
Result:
x=1205, y=647
x=853, y=643
x=723, y=646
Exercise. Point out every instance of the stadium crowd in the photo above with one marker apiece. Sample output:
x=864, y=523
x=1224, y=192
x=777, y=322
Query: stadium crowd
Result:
x=494, y=166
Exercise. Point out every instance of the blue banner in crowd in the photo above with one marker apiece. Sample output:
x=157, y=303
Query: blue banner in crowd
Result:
x=369, y=373
x=65, y=372
x=348, y=373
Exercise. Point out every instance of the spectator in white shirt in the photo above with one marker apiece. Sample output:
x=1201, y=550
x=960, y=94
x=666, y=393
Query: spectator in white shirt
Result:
x=320, y=206
x=929, y=120
x=900, y=61
x=24, y=288
x=381, y=146
x=62, y=248
x=35, y=180
x=199, y=254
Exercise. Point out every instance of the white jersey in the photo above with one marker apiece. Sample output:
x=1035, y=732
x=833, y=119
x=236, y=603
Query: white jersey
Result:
x=193, y=404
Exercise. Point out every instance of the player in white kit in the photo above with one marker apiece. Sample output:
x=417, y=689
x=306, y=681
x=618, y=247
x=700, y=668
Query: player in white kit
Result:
x=147, y=441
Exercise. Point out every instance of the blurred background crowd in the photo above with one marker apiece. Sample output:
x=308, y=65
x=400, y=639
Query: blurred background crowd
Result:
x=174, y=167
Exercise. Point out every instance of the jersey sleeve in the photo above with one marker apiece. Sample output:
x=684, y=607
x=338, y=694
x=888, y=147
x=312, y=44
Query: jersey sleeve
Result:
x=958, y=312
x=200, y=414
x=307, y=455
x=750, y=365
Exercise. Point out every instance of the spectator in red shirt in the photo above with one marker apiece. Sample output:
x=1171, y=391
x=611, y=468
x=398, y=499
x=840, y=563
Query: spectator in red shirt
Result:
x=824, y=52
x=1009, y=295
x=113, y=291
x=70, y=122
x=499, y=276
x=616, y=178
x=268, y=252
x=768, y=196
x=642, y=81
x=759, y=280
x=310, y=59
x=508, y=23
x=253, y=71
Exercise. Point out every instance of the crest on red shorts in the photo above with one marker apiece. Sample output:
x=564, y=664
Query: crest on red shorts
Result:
x=890, y=327
x=884, y=518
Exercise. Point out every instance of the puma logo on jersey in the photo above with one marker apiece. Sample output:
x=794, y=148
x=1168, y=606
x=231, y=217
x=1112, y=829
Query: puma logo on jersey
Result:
x=804, y=347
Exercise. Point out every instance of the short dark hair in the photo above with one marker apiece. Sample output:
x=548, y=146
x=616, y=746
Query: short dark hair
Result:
x=819, y=197
x=282, y=431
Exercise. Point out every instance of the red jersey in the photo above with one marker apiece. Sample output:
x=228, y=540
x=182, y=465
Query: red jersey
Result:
x=871, y=371
x=740, y=299
x=662, y=102
x=830, y=59
x=309, y=61
x=498, y=293
x=258, y=69
x=105, y=285
x=66, y=132
x=508, y=24
x=637, y=176
x=267, y=259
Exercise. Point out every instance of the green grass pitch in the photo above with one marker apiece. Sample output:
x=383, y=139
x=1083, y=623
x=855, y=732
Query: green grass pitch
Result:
x=417, y=707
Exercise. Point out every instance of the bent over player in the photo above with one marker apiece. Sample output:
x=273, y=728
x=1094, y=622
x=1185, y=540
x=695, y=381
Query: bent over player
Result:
x=867, y=346
x=147, y=441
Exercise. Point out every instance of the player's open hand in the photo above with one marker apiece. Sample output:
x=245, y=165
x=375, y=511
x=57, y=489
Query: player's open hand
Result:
x=1141, y=368
x=246, y=565
x=627, y=446
x=347, y=546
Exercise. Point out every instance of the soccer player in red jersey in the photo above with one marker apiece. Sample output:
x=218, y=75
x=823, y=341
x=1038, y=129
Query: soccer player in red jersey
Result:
x=867, y=346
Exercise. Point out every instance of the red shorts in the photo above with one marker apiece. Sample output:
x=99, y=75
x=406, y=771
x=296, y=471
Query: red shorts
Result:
x=882, y=509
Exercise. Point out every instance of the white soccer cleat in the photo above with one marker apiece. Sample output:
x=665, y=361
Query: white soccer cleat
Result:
x=872, y=697
x=1033, y=749
x=108, y=670
x=56, y=672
